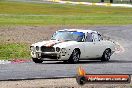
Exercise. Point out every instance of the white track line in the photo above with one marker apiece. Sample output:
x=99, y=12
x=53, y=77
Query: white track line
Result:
x=88, y=3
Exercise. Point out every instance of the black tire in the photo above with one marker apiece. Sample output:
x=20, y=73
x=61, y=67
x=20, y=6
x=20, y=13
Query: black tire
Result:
x=106, y=55
x=36, y=60
x=75, y=56
x=65, y=61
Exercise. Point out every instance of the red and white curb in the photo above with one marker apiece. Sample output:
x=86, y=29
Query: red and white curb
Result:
x=13, y=61
x=89, y=3
x=19, y=61
x=5, y=62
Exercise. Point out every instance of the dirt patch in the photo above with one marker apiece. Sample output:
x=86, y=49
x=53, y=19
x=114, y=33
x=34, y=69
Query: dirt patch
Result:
x=28, y=34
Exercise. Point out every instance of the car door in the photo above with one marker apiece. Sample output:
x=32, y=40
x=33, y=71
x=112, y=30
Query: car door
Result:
x=90, y=46
x=94, y=45
x=99, y=45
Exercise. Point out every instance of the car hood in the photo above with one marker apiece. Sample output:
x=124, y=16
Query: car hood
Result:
x=54, y=43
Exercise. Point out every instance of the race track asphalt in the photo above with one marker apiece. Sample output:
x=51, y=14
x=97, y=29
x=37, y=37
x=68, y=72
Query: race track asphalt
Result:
x=120, y=63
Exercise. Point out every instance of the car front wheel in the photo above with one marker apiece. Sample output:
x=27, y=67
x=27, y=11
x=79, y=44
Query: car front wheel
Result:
x=106, y=55
x=36, y=60
x=75, y=56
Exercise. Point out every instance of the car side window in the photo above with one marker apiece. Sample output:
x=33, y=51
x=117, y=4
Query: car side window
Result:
x=89, y=37
x=95, y=37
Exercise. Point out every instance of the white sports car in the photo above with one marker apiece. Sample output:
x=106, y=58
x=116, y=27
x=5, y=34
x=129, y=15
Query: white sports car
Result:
x=72, y=45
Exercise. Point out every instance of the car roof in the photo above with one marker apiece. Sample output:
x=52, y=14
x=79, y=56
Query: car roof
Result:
x=79, y=30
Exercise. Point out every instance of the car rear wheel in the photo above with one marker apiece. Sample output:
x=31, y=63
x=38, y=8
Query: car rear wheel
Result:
x=36, y=60
x=106, y=55
x=75, y=56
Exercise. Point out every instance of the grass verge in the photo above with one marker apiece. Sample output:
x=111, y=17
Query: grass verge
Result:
x=14, y=51
x=20, y=13
x=66, y=20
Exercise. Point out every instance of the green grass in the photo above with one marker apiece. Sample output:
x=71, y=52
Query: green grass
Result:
x=17, y=13
x=58, y=9
x=14, y=51
x=66, y=20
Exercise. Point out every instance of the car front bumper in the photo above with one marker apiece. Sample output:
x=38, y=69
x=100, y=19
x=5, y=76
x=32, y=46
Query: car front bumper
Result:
x=49, y=55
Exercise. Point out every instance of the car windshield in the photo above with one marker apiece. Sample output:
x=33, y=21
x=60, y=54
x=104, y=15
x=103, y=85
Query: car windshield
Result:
x=68, y=36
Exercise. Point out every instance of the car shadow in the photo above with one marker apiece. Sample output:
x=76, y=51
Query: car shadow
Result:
x=89, y=62
x=119, y=61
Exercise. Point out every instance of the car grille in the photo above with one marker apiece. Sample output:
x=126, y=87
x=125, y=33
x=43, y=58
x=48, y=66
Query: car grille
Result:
x=47, y=49
x=51, y=56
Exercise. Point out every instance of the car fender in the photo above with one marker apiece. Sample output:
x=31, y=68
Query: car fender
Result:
x=109, y=45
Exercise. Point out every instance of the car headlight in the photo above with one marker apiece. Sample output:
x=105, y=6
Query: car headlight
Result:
x=63, y=51
x=31, y=48
x=57, y=49
x=37, y=48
